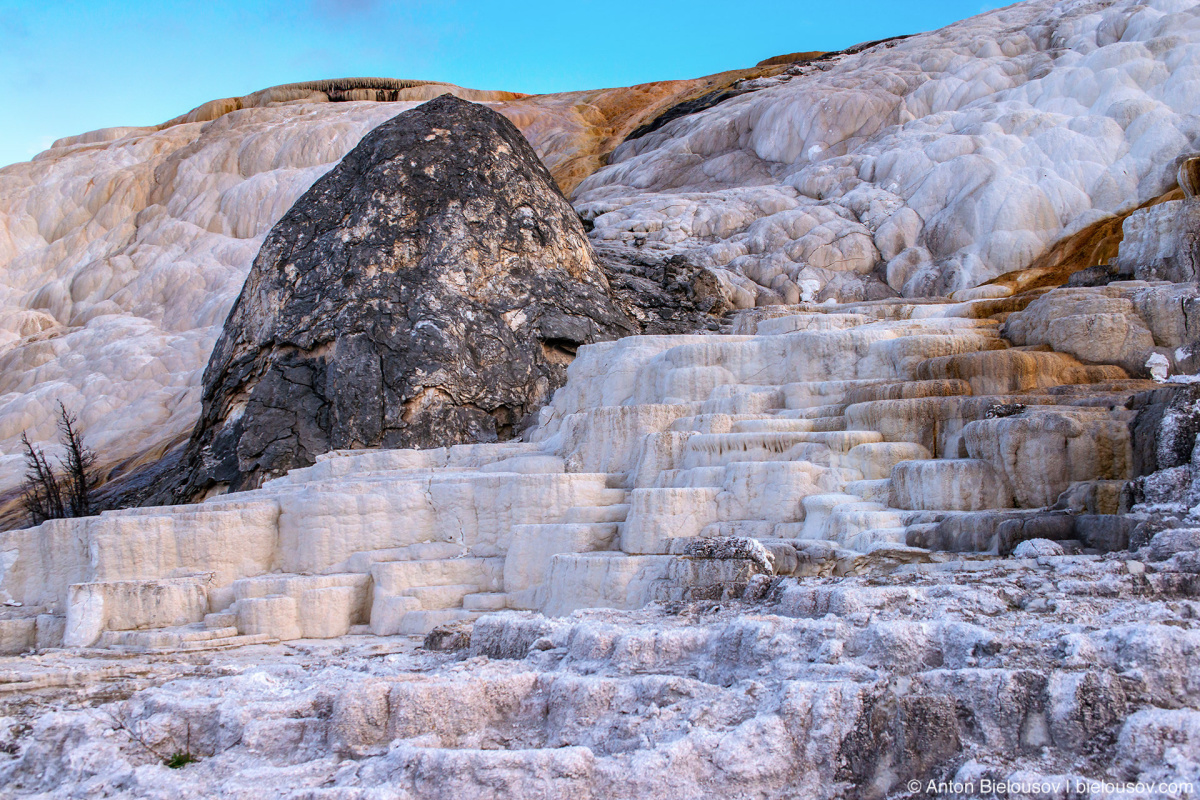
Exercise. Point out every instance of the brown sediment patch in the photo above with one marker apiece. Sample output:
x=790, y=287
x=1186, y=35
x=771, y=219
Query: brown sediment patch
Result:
x=338, y=90
x=791, y=58
x=575, y=132
x=572, y=132
x=1090, y=247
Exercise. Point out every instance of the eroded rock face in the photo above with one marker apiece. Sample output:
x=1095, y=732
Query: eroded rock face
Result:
x=1122, y=323
x=1067, y=445
x=1165, y=437
x=664, y=294
x=1164, y=241
x=429, y=290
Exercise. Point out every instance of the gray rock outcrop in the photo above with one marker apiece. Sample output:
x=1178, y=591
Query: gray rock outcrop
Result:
x=429, y=290
x=1162, y=243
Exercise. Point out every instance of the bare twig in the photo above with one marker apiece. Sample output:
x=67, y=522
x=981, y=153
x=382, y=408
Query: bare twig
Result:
x=48, y=494
x=42, y=493
x=176, y=760
x=78, y=464
x=128, y=730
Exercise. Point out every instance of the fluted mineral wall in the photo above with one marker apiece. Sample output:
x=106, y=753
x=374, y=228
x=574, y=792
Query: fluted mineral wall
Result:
x=920, y=516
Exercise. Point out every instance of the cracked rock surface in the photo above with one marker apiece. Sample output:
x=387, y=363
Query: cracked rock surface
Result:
x=1060, y=669
x=429, y=290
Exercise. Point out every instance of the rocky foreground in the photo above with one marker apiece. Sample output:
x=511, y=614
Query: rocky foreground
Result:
x=981, y=571
x=920, y=166
x=1076, y=671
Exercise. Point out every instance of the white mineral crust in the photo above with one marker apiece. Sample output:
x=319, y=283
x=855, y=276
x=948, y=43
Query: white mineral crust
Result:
x=937, y=162
x=949, y=157
x=857, y=472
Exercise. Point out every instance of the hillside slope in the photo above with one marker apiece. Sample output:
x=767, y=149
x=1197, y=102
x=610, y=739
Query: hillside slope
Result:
x=921, y=166
x=122, y=250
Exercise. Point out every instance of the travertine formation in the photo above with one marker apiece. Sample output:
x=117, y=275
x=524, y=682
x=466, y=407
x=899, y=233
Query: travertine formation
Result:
x=847, y=541
x=855, y=663
x=929, y=164
x=825, y=463
x=835, y=687
x=123, y=250
x=924, y=165
x=831, y=433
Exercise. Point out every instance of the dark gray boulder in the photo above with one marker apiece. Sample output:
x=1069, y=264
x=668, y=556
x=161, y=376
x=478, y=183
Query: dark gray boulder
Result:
x=663, y=294
x=429, y=290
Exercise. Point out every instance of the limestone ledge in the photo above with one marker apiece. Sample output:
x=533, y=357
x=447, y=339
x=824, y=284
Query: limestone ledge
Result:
x=847, y=439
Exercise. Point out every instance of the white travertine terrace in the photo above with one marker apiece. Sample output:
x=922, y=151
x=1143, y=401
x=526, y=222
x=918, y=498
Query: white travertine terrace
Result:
x=836, y=428
x=938, y=162
x=828, y=434
x=768, y=562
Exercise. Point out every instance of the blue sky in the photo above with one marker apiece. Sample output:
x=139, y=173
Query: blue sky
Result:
x=70, y=67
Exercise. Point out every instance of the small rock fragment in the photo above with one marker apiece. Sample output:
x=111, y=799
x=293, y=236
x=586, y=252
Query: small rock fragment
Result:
x=449, y=637
x=1036, y=548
